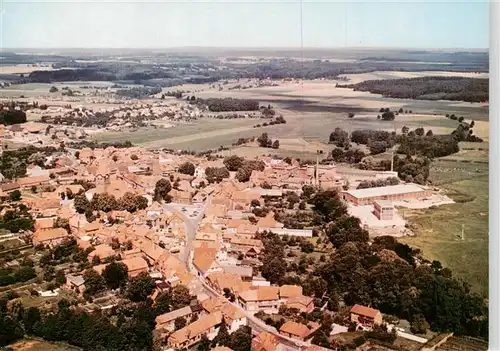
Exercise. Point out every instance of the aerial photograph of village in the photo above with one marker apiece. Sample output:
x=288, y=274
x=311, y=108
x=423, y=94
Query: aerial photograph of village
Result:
x=244, y=176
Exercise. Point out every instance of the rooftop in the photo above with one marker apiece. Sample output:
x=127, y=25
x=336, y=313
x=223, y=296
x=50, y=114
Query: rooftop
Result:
x=386, y=190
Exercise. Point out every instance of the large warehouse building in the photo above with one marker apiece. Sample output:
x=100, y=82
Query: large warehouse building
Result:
x=399, y=192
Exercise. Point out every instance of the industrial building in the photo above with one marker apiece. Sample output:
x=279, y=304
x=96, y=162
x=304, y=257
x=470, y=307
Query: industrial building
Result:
x=398, y=192
x=384, y=210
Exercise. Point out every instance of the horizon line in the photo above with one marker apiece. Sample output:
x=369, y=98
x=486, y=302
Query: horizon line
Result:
x=319, y=48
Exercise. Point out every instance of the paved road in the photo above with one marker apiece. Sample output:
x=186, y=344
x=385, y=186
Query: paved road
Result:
x=257, y=325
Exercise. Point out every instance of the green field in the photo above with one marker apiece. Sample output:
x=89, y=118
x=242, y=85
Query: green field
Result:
x=438, y=230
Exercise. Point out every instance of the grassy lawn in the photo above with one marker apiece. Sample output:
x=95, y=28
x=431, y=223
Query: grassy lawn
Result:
x=438, y=230
x=39, y=345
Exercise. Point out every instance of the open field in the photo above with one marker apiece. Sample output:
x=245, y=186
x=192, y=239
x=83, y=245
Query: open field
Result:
x=40, y=345
x=438, y=231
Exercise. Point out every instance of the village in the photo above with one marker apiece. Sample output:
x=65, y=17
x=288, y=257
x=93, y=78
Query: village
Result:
x=186, y=222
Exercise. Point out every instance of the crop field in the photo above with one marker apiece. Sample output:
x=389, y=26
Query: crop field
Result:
x=439, y=230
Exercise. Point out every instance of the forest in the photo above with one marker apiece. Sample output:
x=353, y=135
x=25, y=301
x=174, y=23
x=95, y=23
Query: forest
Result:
x=229, y=104
x=427, y=88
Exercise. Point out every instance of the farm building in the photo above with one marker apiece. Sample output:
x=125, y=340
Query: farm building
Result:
x=391, y=193
x=384, y=210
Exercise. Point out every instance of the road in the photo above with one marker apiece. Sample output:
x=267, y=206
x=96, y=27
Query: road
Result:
x=257, y=325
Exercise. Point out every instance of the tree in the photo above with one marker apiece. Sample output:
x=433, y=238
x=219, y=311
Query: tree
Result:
x=328, y=205
x=180, y=323
x=222, y=338
x=10, y=330
x=276, y=144
x=405, y=130
x=162, y=188
x=345, y=229
x=388, y=116
x=204, y=344
x=241, y=339
x=460, y=119
x=180, y=297
x=187, y=168
x=53, y=89
x=162, y=303
x=134, y=157
x=377, y=147
x=104, y=202
x=263, y=140
x=115, y=274
x=94, y=283
x=419, y=131
x=255, y=203
x=339, y=137
x=243, y=174
x=15, y=195
x=233, y=163
x=140, y=287
x=429, y=133
x=81, y=203
x=419, y=325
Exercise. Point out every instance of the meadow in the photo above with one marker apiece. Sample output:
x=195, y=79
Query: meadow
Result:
x=439, y=230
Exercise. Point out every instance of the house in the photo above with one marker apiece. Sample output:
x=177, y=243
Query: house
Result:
x=101, y=251
x=265, y=341
x=136, y=266
x=166, y=321
x=28, y=182
x=258, y=298
x=233, y=317
x=44, y=223
x=75, y=283
x=366, y=316
x=7, y=188
x=206, y=325
x=299, y=331
x=50, y=237
x=204, y=260
x=304, y=304
x=288, y=291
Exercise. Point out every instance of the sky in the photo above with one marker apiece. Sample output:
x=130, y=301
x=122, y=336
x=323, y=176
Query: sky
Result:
x=239, y=23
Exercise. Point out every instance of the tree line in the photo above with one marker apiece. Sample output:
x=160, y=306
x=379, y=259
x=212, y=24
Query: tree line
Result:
x=427, y=88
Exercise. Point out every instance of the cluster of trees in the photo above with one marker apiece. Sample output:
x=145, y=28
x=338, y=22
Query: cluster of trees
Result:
x=17, y=219
x=351, y=156
x=365, y=184
x=162, y=189
x=429, y=146
x=9, y=117
x=265, y=141
x=23, y=273
x=105, y=202
x=245, y=171
x=97, y=145
x=229, y=104
x=138, y=92
x=187, y=168
x=427, y=88
x=216, y=174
